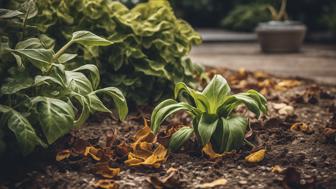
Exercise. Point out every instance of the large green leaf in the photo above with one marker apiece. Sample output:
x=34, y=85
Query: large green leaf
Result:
x=118, y=99
x=87, y=38
x=40, y=58
x=165, y=109
x=229, y=134
x=24, y=132
x=55, y=116
x=206, y=127
x=199, y=99
x=180, y=137
x=215, y=92
x=93, y=72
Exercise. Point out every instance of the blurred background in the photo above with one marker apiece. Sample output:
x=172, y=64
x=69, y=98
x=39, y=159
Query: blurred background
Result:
x=244, y=15
x=229, y=38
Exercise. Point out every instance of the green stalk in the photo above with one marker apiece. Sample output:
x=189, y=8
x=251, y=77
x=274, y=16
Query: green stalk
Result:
x=62, y=50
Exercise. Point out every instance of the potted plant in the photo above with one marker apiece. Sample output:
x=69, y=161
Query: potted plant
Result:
x=280, y=34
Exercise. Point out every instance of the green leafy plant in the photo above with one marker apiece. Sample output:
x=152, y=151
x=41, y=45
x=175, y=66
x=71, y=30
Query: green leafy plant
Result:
x=149, y=44
x=212, y=110
x=43, y=93
x=246, y=17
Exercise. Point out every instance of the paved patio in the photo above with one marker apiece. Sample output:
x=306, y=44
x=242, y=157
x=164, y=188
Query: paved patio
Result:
x=316, y=62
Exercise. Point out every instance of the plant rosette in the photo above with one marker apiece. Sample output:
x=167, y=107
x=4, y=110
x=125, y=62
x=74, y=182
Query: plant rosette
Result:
x=212, y=111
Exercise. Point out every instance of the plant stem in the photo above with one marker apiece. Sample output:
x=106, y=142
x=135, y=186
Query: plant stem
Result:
x=249, y=143
x=25, y=23
x=282, y=11
x=62, y=50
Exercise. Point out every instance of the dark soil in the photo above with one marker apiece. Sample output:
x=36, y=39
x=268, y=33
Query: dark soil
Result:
x=308, y=158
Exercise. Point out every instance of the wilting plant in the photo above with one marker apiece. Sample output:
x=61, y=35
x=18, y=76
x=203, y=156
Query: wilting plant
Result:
x=212, y=110
x=44, y=94
x=149, y=43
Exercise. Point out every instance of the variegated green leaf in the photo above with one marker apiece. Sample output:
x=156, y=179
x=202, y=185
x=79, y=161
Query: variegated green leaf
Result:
x=180, y=137
x=55, y=116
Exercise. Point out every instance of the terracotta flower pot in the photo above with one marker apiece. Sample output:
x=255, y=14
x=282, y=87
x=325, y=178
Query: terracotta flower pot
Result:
x=281, y=36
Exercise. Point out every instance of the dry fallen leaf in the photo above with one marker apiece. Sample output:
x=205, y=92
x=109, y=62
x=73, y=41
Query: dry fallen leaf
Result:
x=95, y=153
x=218, y=182
x=104, y=170
x=169, y=181
x=62, y=155
x=105, y=184
x=277, y=169
x=146, y=151
x=256, y=157
x=208, y=150
x=302, y=127
x=287, y=84
x=152, y=159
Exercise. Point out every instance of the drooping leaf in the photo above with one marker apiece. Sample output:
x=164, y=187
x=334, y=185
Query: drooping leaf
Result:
x=24, y=132
x=93, y=73
x=117, y=97
x=165, y=109
x=78, y=82
x=206, y=127
x=199, y=99
x=215, y=92
x=180, y=137
x=55, y=116
x=87, y=38
x=232, y=101
x=40, y=58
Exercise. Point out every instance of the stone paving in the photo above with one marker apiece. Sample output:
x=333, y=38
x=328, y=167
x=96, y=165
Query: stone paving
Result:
x=315, y=61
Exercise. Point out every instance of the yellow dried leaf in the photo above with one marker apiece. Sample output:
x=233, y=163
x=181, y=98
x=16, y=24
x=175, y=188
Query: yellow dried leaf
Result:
x=153, y=160
x=62, y=155
x=105, y=184
x=215, y=183
x=95, y=153
x=256, y=156
x=287, y=84
x=144, y=134
x=302, y=127
x=277, y=169
x=208, y=150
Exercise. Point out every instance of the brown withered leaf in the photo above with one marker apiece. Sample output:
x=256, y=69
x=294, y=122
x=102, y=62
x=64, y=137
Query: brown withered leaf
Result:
x=105, y=184
x=144, y=157
x=144, y=134
x=215, y=183
x=256, y=157
x=62, y=155
x=210, y=153
x=105, y=170
x=95, y=153
x=301, y=127
x=170, y=180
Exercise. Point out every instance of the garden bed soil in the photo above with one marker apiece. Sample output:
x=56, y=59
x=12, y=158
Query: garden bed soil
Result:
x=307, y=158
